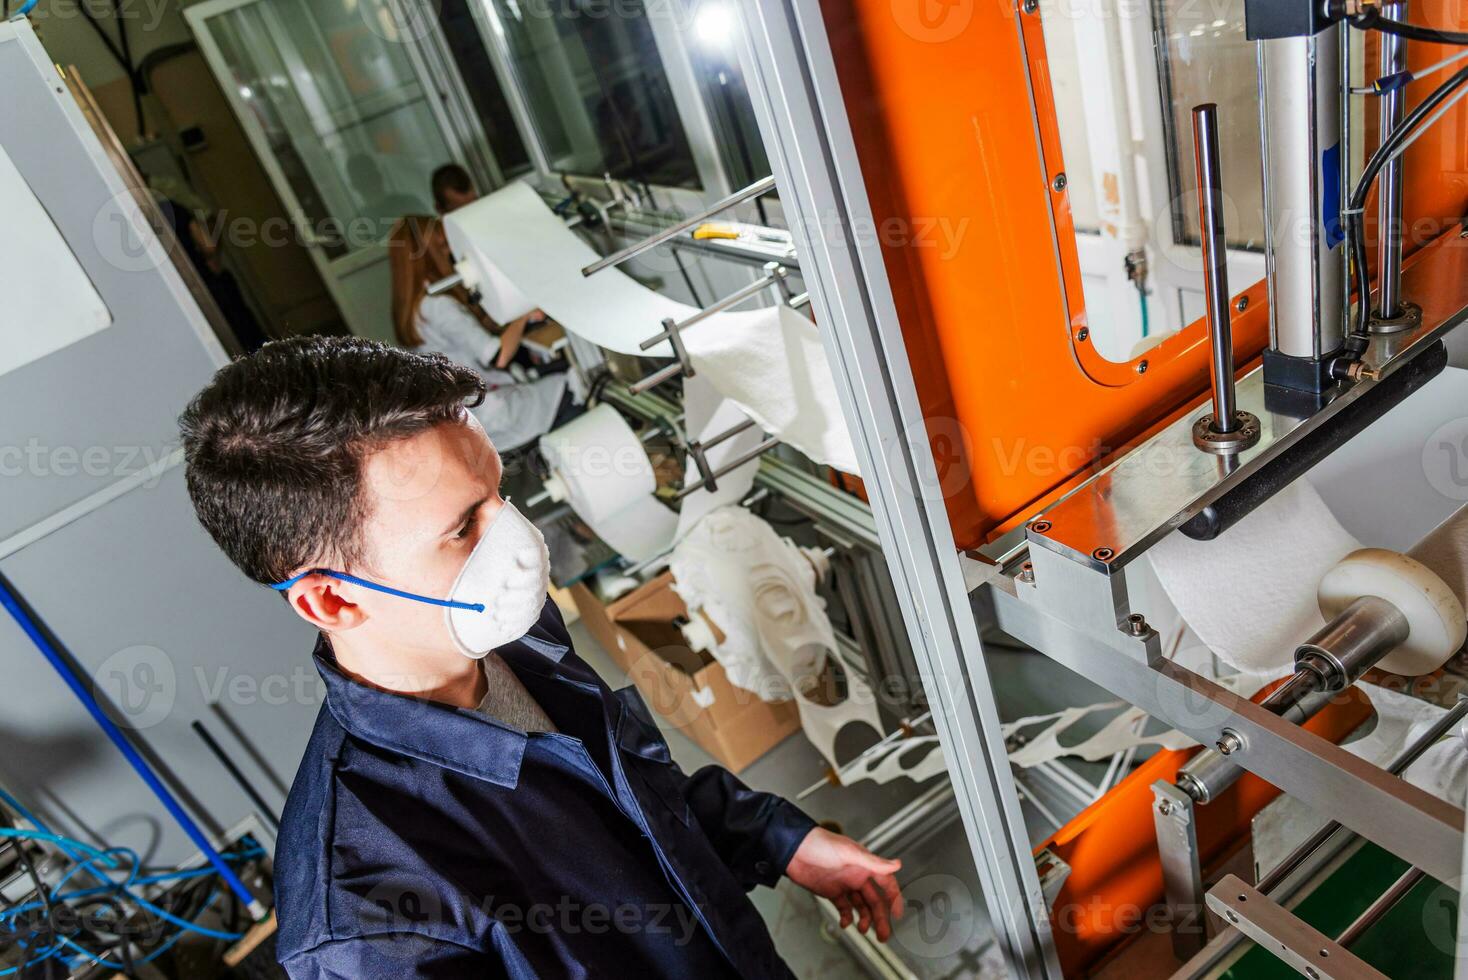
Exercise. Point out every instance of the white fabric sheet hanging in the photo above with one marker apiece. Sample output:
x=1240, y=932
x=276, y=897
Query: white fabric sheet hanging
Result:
x=1250, y=594
x=519, y=255
x=760, y=591
x=601, y=469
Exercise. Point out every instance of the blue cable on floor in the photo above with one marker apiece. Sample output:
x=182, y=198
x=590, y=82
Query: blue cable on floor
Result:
x=12, y=603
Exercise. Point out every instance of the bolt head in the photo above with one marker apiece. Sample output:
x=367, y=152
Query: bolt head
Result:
x=1060, y=182
x=1030, y=6
x=1141, y=367
x=1242, y=304
x=1164, y=807
x=1083, y=334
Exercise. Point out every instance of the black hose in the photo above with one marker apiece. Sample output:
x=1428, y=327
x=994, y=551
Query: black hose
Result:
x=1372, y=20
x=1357, y=203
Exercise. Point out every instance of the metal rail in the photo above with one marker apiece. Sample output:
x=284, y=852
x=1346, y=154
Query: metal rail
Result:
x=1298, y=856
x=652, y=241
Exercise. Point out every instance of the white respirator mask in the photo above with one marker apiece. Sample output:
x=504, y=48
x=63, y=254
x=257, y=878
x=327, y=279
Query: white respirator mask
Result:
x=499, y=592
x=506, y=578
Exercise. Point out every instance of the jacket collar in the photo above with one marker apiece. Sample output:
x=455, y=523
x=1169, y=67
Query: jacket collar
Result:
x=464, y=741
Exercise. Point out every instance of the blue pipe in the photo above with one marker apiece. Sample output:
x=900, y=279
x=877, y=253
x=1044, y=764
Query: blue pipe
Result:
x=11, y=601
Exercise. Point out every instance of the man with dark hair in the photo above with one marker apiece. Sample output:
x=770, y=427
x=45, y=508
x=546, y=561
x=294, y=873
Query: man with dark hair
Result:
x=474, y=800
x=452, y=188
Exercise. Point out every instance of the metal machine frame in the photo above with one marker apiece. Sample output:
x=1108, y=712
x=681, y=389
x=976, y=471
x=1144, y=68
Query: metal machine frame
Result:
x=808, y=136
x=1076, y=616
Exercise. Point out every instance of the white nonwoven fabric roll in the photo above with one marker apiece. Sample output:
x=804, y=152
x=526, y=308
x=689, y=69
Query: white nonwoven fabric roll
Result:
x=770, y=361
x=601, y=469
x=1250, y=594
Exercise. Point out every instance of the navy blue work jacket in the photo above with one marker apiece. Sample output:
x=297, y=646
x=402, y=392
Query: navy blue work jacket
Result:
x=423, y=840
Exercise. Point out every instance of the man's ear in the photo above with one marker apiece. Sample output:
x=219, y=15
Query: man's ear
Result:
x=319, y=601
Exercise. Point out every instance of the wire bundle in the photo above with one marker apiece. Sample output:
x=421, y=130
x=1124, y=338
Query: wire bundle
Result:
x=1413, y=125
x=103, y=923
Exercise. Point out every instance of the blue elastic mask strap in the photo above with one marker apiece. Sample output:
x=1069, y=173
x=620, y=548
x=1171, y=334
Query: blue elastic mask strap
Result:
x=447, y=603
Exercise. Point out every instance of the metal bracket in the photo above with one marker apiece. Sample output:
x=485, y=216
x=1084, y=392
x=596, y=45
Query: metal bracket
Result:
x=672, y=330
x=1053, y=872
x=1297, y=944
x=1182, y=870
x=708, y=475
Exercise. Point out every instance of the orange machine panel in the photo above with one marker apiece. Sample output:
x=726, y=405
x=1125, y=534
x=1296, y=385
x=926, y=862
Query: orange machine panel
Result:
x=955, y=128
x=1111, y=846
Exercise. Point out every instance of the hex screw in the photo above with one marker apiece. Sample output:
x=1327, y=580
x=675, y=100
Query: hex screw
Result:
x=1242, y=304
x=1141, y=367
x=1031, y=6
x=1136, y=624
x=1164, y=807
x=1103, y=554
x=1083, y=334
x=1229, y=742
x=1027, y=572
x=1040, y=527
x=1059, y=182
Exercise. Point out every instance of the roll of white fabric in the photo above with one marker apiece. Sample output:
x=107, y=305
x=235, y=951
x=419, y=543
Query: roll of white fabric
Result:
x=1250, y=594
x=601, y=469
x=519, y=255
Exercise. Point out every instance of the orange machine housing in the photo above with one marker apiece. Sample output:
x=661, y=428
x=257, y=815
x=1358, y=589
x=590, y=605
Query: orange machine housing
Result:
x=954, y=120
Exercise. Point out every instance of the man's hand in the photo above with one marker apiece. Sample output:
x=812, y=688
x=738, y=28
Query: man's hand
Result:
x=856, y=880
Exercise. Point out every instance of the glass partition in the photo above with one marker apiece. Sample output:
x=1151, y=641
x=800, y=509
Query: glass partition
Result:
x=595, y=87
x=346, y=119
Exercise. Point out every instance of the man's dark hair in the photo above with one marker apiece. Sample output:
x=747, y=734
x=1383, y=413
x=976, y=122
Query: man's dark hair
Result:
x=275, y=443
x=449, y=177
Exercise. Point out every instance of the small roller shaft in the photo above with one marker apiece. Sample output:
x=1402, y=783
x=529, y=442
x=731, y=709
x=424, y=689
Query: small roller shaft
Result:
x=1215, y=265
x=1329, y=662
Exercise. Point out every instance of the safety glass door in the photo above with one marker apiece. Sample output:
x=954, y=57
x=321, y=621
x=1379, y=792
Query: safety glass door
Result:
x=342, y=120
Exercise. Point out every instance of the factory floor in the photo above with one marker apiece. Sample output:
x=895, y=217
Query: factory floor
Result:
x=954, y=940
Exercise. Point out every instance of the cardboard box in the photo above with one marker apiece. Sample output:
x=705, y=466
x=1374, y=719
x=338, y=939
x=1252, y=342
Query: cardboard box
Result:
x=689, y=689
